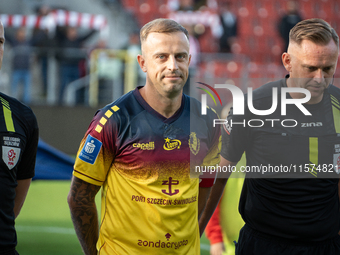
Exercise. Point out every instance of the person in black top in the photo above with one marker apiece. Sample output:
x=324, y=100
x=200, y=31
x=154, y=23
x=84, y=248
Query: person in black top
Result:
x=229, y=24
x=44, y=46
x=19, y=140
x=288, y=21
x=290, y=198
x=22, y=49
x=70, y=56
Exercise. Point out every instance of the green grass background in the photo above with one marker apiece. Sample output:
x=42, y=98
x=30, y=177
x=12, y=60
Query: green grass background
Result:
x=44, y=226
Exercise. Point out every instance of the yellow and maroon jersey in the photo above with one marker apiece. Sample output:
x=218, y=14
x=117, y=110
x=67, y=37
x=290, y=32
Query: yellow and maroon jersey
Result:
x=142, y=160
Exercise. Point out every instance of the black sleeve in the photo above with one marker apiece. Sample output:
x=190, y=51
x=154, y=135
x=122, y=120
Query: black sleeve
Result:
x=234, y=137
x=27, y=163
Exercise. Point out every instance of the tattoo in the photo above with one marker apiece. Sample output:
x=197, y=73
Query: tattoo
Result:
x=84, y=215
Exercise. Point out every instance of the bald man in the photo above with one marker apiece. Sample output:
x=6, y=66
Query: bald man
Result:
x=297, y=211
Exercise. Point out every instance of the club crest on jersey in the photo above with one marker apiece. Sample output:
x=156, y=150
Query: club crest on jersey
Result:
x=336, y=163
x=227, y=127
x=170, y=191
x=171, y=144
x=194, y=143
x=10, y=155
x=336, y=158
x=90, y=150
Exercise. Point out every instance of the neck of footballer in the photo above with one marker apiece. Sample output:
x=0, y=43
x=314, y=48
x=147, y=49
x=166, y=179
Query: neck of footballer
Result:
x=164, y=105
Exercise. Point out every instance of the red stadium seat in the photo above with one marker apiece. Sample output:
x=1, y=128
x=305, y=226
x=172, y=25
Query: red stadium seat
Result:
x=207, y=42
x=308, y=9
x=131, y=4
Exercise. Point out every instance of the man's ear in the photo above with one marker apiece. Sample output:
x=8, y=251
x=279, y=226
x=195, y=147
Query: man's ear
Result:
x=141, y=62
x=287, y=61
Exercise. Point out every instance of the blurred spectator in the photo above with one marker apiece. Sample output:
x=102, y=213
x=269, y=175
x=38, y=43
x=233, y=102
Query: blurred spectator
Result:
x=101, y=57
x=133, y=49
x=70, y=56
x=229, y=24
x=288, y=21
x=101, y=44
x=187, y=5
x=195, y=57
x=21, y=47
x=42, y=41
x=109, y=70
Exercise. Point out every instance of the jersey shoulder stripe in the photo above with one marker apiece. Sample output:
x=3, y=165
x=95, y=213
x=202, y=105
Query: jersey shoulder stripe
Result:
x=120, y=112
x=335, y=98
x=334, y=91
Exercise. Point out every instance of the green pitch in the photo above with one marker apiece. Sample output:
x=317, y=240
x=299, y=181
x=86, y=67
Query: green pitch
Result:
x=44, y=226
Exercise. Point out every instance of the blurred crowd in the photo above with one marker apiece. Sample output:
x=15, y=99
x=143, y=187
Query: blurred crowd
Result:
x=71, y=48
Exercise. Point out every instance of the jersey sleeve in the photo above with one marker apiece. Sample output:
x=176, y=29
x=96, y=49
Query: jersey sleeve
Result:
x=97, y=149
x=234, y=137
x=27, y=163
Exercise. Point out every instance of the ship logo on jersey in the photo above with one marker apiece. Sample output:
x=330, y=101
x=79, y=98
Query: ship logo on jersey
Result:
x=171, y=144
x=194, y=143
x=170, y=182
x=227, y=127
x=10, y=155
x=90, y=150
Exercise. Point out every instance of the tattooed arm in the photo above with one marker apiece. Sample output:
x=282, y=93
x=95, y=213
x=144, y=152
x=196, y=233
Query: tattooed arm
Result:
x=81, y=200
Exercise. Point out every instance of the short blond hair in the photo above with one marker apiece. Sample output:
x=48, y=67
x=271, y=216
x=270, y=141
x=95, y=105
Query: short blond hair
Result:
x=315, y=30
x=161, y=26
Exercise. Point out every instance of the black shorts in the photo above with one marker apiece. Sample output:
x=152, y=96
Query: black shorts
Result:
x=252, y=242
